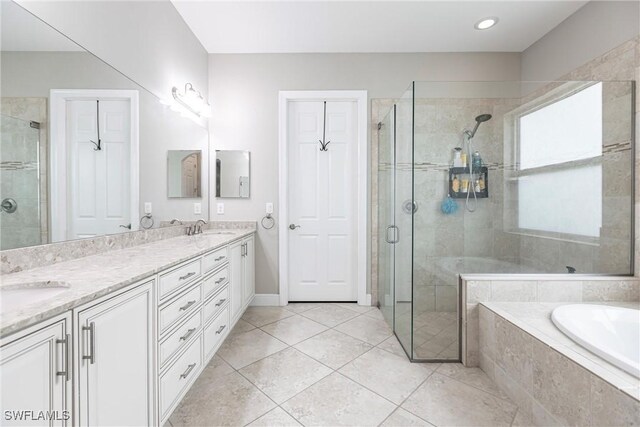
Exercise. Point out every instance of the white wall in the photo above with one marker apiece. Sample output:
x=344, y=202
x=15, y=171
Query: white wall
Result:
x=593, y=30
x=244, y=94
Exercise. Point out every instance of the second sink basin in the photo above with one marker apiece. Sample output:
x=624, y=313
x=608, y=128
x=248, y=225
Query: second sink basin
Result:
x=20, y=294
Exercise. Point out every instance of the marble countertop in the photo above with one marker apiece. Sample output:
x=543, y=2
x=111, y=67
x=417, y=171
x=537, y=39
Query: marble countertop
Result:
x=98, y=275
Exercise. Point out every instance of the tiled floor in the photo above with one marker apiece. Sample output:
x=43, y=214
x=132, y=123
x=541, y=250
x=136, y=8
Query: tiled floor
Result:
x=333, y=365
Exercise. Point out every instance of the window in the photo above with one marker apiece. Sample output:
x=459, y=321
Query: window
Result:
x=560, y=166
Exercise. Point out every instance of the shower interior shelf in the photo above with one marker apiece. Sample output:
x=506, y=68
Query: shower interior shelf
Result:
x=462, y=172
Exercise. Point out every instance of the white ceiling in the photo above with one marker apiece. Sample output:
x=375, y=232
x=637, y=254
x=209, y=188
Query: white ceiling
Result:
x=23, y=32
x=370, y=26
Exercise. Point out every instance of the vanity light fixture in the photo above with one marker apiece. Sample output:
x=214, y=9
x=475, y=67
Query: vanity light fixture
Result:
x=192, y=100
x=486, y=23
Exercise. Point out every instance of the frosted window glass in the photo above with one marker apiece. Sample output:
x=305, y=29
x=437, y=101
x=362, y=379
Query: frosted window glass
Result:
x=570, y=129
x=567, y=201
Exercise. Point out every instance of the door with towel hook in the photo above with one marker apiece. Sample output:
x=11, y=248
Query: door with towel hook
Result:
x=322, y=151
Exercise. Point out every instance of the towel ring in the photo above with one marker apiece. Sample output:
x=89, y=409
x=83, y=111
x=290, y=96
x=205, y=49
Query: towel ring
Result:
x=270, y=222
x=146, y=221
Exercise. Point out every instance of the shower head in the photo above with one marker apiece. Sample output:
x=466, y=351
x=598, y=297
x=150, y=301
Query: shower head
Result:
x=481, y=118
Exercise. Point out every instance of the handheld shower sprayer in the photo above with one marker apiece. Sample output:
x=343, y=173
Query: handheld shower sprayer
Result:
x=469, y=135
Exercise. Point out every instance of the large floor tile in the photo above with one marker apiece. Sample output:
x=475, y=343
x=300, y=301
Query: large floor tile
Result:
x=367, y=329
x=275, y=418
x=392, y=345
x=260, y=316
x=333, y=348
x=216, y=368
x=241, y=326
x=229, y=401
x=338, y=401
x=330, y=314
x=375, y=313
x=299, y=307
x=393, y=377
x=285, y=374
x=472, y=376
x=294, y=329
x=354, y=306
x=243, y=349
x=444, y=401
x=402, y=418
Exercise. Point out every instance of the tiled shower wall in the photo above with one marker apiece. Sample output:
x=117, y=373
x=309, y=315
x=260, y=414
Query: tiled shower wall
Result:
x=27, y=109
x=481, y=233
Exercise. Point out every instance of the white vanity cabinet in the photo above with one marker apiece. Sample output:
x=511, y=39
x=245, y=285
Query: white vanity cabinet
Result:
x=242, y=283
x=35, y=373
x=115, y=342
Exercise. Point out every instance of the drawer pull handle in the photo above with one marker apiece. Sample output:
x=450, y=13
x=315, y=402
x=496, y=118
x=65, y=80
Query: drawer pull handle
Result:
x=220, y=258
x=187, y=305
x=219, y=303
x=220, y=280
x=219, y=331
x=67, y=357
x=92, y=342
x=188, y=334
x=186, y=373
x=186, y=276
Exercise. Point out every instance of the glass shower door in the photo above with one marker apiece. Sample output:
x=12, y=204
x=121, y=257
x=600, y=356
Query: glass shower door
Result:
x=386, y=216
x=20, y=175
x=403, y=212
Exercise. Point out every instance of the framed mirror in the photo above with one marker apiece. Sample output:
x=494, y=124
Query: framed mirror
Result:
x=184, y=174
x=233, y=174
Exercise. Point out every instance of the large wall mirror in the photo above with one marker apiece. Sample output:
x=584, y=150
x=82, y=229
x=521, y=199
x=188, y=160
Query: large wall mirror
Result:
x=83, y=147
x=233, y=170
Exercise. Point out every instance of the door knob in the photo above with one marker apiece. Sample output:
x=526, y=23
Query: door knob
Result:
x=293, y=226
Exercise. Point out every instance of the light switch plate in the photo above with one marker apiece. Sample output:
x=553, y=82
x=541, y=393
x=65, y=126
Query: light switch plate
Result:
x=220, y=208
x=269, y=208
x=197, y=208
x=147, y=207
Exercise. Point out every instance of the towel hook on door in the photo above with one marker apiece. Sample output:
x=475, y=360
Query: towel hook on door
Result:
x=323, y=144
x=98, y=144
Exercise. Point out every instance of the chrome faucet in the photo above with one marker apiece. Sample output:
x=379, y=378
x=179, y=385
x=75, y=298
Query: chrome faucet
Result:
x=199, y=223
x=173, y=221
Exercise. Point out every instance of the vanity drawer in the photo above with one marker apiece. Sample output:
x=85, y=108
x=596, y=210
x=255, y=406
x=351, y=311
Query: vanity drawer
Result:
x=180, y=337
x=215, y=304
x=179, y=277
x=214, y=259
x=180, y=376
x=213, y=283
x=216, y=331
x=179, y=307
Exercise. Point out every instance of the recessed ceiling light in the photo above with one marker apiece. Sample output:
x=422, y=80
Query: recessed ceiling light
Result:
x=486, y=23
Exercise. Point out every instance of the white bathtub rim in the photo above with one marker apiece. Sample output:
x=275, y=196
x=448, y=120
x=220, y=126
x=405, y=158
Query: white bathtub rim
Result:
x=615, y=358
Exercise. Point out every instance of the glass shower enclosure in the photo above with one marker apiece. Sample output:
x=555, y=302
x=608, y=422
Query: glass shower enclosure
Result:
x=497, y=178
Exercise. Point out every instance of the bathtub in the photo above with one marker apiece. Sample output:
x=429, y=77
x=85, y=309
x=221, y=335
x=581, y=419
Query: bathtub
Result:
x=612, y=333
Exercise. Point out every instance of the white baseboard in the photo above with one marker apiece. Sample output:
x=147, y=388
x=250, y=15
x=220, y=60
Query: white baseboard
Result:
x=262, y=300
x=367, y=300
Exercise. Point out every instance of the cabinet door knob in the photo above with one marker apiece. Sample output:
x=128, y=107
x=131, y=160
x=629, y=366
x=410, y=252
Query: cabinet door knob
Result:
x=92, y=342
x=187, y=305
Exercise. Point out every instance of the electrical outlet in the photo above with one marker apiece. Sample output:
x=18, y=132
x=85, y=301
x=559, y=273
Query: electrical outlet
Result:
x=197, y=208
x=220, y=208
x=269, y=208
x=147, y=207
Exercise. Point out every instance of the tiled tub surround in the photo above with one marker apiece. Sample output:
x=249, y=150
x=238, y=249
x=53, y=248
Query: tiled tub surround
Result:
x=476, y=289
x=551, y=379
x=20, y=259
x=93, y=276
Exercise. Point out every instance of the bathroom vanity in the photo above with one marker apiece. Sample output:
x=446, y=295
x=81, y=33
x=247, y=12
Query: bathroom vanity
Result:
x=120, y=337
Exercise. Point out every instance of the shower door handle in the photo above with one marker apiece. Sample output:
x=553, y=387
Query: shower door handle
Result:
x=396, y=235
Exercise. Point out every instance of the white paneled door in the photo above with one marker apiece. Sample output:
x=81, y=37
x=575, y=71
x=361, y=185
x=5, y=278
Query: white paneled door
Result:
x=100, y=184
x=322, y=200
